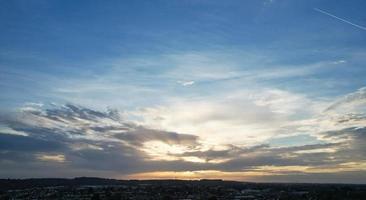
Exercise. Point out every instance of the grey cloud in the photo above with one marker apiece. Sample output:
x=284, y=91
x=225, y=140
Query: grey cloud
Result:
x=351, y=117
x=276, y=157
x=232, y=151
x=118, y=158
x=90, y=140
x=305, y=147
x=354, y=138
x=24, y=143
x=264, y=154
x=140, y=135
x=70, y=120
x=70, y=111
x=249, y=158
x=354, y=132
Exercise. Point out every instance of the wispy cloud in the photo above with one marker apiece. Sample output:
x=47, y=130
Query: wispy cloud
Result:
x=341, y=19
x=350, y=101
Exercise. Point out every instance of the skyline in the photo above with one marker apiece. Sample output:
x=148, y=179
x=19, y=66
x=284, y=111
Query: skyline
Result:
x=270, y=90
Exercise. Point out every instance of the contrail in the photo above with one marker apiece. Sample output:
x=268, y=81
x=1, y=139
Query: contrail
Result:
x=343, y=20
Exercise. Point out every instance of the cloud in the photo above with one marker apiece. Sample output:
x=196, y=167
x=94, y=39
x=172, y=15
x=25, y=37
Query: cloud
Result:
x=186, y=83
x=82, y=138
x=23, y=143
x=340, y=61
x=243, y=116
x=230, y=152
x=223, y=70
x=140, y=135
x=355, y=137
x=237, y=158
x=350, y=102
x=54, y=158
x=73, y=140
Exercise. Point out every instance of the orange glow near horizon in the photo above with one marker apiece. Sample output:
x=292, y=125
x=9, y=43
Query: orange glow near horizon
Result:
x=196, y=175
x=245, y=175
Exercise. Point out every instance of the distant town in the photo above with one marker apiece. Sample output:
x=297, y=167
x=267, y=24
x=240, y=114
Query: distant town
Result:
x=110, y=189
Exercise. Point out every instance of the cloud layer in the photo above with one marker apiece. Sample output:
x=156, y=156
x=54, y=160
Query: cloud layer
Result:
x=69, y=140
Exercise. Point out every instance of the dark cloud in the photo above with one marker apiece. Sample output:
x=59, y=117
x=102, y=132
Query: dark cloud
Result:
x=23, y=143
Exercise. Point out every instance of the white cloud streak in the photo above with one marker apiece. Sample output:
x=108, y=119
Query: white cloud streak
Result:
x=186, y=83
x=341, y=19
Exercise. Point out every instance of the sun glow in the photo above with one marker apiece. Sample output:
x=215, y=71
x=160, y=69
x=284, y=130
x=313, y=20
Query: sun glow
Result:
x=162, y=151
x=52, y=158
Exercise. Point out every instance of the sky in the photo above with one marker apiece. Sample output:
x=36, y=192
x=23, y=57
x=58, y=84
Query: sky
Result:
x=254, y=90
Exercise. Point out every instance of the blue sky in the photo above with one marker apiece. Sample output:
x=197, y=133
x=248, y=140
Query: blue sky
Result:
x=76, y=40
x=255, y=75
